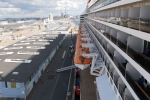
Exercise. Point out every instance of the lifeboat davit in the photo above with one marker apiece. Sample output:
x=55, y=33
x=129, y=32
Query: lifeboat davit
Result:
x=80, y=36
x=79, y=47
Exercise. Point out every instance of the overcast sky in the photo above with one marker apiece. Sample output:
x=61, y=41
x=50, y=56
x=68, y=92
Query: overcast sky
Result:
x=40, y=8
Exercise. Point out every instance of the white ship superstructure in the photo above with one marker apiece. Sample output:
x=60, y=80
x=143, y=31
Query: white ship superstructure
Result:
x=120, y=32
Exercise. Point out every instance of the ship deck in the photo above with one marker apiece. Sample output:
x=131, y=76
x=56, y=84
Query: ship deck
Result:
x=88, y=88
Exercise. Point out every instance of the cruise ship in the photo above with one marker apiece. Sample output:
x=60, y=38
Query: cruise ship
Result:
x=111, y=59
x=114, y=41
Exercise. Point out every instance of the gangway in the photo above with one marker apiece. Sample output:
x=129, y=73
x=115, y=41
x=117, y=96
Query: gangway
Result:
x=65, y=68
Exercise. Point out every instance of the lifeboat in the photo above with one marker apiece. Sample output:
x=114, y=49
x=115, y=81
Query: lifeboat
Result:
x=81, y=61
x=78, y=47
x=87, y=55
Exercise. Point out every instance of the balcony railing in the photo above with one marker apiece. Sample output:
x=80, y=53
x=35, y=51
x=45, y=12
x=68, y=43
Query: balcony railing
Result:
x=120, y=66
x=113, y=39
x=145, y=25
x=124, y=22
x=126, y=98
x=111, y=73
x=122, y=45
x=133, y=23
x=115, y=80
x=107, y=35
x=137, y=89
x=112, y=20
x=134, y=85
x=104, y=45
x=108, y=19
x=121, y=91
x=143, y=60
x=102, y=4
x=107, y=65
x=101, y=18
x=101, y=41
x=140, y=58
x=110, y=54
x=141, y=24
x=104, y=33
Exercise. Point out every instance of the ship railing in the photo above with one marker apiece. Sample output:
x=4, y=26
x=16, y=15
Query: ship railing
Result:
x=140, y=58
x=113, y=39
x=145, y=25
x=124, y=22
x=131, y=80
x=107, y=64
x=122, y=45
x=120, y=66
x=133, y=23
x=115, y=80
x=108, y=35
x=134, y=85
x=121, y=91
x=104, y=3
x=111, y=72
x=104, y=46
x=141, y=24
x=137, y=89
x=126, y=98
x=110, y=54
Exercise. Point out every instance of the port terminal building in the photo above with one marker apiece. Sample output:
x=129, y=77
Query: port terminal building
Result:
x=22, y=63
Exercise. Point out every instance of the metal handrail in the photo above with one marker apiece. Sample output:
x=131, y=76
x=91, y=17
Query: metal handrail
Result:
x=126, y=98
x=138, y=85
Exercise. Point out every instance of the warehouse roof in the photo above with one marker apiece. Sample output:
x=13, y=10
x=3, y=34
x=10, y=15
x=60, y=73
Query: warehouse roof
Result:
x=19, y=61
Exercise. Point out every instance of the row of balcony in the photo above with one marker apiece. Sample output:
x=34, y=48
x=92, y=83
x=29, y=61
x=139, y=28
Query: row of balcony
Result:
x=142, y=92
x=103, y=3
x=141, y=24
x=142, y=59
x=115, y=80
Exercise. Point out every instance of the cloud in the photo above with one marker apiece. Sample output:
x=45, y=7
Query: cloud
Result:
x=40, y=8
x=5, y=5
x=9, y=9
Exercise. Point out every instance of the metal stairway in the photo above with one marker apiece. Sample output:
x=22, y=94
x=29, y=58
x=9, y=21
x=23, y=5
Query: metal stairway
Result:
x=65, y=68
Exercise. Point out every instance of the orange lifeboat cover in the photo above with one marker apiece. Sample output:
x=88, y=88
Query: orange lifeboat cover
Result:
x=79, y=59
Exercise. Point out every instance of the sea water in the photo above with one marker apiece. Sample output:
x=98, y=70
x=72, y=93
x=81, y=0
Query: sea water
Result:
x=76, y=21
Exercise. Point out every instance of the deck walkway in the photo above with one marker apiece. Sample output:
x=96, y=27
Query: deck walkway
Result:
x=88, y=88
